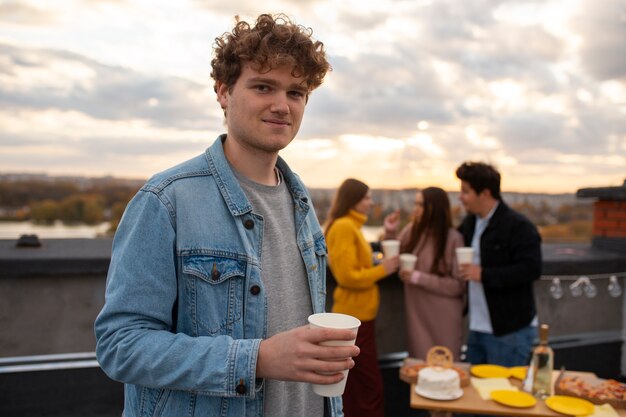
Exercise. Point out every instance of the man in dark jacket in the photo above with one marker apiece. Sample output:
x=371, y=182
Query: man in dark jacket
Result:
x=506, y=262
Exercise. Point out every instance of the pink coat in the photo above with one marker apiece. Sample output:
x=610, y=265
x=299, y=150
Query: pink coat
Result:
x=434, y=306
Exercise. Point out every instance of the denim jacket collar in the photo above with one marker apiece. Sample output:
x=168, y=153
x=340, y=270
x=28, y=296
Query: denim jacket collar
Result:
x=227, y=183
x=232, y=192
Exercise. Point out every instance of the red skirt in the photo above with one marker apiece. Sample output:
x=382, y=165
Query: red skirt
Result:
x=364, y=394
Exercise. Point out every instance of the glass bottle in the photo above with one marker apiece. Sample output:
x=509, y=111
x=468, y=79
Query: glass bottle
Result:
x=542, y=366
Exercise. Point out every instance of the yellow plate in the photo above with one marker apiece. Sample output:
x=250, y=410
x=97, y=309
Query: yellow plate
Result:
x=513, y=398
x=571, y=406
x=490, y=371
x=518, y=372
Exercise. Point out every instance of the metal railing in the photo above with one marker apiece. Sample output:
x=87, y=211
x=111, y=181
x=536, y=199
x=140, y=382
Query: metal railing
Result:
x=51, y=362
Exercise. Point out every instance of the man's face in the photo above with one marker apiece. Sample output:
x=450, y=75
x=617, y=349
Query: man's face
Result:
x=264, y=110
x=468, y=197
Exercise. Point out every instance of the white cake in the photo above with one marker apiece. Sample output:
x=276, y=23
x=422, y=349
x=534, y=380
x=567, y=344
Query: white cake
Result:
x=438, y=383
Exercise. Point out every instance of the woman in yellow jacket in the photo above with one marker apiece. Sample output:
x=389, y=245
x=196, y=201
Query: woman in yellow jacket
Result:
x=357, y=294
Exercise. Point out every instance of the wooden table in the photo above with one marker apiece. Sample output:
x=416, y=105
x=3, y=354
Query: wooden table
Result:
x=472, y=403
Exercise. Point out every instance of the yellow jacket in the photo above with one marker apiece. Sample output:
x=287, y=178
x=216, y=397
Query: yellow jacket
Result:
x=350, y=260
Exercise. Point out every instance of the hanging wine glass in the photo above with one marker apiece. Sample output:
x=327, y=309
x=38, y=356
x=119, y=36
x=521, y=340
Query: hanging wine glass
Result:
x=614, y=288
x=556, y=291
x=590, y=289
x=576, y=288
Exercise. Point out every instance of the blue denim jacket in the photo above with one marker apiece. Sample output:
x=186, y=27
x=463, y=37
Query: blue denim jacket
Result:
x=183, y=317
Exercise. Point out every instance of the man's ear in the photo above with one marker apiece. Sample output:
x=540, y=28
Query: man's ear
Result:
x=222, y=94
x=486, y=192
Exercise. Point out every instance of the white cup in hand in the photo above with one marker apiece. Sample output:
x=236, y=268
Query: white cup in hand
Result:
x=390, y=247
x=464, y=255
x=407, y=262
x=334, y=321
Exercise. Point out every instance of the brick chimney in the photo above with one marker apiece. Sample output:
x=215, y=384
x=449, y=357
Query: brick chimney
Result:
x=609, y=217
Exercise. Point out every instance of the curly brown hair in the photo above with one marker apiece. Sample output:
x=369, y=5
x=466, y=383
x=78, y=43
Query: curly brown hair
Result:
x=274, y=41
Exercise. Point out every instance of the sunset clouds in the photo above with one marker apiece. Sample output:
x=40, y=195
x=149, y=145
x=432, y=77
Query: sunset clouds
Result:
x=123, y=88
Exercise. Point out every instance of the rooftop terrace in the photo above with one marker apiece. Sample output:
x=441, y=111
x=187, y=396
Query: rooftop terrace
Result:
x=51, y=294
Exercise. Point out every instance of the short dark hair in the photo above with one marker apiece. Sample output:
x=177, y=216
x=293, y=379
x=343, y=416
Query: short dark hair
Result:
x=480, y=176
x=272, y=42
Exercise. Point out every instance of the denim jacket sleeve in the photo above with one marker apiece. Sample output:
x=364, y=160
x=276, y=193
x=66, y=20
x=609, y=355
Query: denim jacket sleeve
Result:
x=137, y=339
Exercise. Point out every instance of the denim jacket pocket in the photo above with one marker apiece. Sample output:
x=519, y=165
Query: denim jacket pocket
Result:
x=213, y=290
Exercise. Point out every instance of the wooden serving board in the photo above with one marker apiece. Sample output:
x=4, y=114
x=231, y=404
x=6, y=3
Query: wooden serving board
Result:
x=587, y=386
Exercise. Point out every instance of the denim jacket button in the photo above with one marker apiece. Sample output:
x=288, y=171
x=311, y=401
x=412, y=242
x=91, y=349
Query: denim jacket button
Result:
x=241, y=388
x=248, y=224
x=255, y=289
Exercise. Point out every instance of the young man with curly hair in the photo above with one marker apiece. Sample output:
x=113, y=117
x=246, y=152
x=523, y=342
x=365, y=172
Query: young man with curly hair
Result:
x=218, y=261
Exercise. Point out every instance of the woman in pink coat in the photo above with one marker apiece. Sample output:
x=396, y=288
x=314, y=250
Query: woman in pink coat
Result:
x=433, y=292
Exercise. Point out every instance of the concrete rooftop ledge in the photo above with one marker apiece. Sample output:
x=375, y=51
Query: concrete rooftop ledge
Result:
x=55, y=257
x=580, y=258
x=63, y=257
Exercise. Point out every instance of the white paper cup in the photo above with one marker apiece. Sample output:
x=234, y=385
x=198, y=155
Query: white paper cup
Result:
x=407, y=261
x=390, y=247
x=334, y=321
x=464, y=255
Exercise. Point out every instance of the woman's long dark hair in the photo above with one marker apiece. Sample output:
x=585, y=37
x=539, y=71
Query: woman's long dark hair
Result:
x=434, y=224
x=349, y=193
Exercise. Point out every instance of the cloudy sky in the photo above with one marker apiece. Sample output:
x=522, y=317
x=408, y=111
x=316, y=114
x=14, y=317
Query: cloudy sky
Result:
x=122, y=87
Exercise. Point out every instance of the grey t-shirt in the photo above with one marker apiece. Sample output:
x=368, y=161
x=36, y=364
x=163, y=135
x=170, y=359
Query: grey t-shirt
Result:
x=287, y=290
